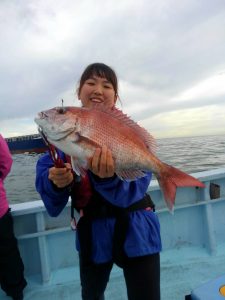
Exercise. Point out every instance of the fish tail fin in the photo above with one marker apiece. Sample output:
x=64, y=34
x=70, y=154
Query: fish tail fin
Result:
x=170, y=178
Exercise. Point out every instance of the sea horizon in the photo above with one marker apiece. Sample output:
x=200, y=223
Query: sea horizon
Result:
x=189, y=154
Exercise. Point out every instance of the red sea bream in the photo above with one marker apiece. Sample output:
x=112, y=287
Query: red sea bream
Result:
x=79, y=131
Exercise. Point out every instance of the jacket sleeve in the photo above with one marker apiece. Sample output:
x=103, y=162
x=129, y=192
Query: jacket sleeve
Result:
x=120, y=192
x=5, y=159
x=54, y=199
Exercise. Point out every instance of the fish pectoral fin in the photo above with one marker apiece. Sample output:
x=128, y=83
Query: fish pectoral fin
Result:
x=79, y=166
x=75, y=137
x=129, y=175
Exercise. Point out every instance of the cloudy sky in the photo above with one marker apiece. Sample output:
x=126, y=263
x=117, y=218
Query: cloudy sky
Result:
x=169, y=56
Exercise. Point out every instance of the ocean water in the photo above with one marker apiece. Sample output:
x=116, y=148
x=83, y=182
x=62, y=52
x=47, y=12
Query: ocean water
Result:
x=190, y=154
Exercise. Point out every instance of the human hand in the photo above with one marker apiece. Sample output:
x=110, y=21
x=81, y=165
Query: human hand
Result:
x=61, y=177
x=102, y=163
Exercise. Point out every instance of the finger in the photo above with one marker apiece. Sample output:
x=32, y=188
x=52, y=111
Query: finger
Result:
x=68, y=166
x=95, y=161
x=63, y=181
x=60, y=171
x=62, y=184
x=103, y=162
x=51, y=173
x=110, y=164
x=60, y=178
x=55, y=173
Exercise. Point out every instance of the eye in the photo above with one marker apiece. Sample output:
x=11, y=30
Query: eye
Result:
x=107, y=86
x=61, y=110
x=90, y=83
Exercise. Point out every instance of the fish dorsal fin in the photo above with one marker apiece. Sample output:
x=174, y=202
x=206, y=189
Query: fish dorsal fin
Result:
x=125, y=119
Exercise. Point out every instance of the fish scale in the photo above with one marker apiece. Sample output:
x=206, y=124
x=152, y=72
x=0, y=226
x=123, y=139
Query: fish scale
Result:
x=104, y=131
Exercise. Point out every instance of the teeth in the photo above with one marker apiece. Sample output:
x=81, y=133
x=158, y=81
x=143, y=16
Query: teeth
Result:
x=96, y=100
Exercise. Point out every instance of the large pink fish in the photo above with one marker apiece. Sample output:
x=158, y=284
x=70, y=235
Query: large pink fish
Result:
x=79, y=131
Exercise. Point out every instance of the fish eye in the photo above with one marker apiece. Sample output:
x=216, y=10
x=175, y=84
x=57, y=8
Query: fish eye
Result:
x=61, y=110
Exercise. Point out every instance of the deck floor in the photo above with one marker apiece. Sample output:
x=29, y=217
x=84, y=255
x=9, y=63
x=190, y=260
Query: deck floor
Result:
x=182, y=270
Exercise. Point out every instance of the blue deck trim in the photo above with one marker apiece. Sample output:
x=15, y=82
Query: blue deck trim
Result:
x=209, y=290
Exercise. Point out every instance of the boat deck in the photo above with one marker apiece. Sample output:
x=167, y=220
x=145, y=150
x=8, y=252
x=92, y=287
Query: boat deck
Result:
x=193, y=245
x=182, y=270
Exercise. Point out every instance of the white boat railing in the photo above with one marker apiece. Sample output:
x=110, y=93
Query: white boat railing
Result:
x=47, y=244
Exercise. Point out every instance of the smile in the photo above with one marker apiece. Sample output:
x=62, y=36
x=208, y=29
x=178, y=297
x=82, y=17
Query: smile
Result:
x=96, y=100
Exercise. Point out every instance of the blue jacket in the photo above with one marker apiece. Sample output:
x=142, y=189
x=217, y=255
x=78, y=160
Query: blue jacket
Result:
x=143, y=235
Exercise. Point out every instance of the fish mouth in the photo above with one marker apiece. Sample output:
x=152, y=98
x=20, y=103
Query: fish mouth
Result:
x=42, y=115
x=39, y=119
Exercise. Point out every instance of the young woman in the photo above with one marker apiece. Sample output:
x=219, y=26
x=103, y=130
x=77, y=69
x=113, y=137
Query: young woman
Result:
x=118, y=223
x=12, y=280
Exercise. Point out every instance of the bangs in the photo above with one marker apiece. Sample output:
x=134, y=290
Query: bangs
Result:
x=100, y=71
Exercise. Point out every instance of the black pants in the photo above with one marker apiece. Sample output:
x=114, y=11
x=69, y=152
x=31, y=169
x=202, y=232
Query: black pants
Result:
x=142, y=276
x=12, y=280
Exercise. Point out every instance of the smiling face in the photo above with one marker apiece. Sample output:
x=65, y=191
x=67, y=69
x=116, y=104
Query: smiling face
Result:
x=97, y=90
x=98, y=84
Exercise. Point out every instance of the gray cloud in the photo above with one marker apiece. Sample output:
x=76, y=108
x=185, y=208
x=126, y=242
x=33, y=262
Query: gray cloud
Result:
x=159, y=48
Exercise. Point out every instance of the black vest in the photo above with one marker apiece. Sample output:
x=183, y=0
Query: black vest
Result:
x=97, y=208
